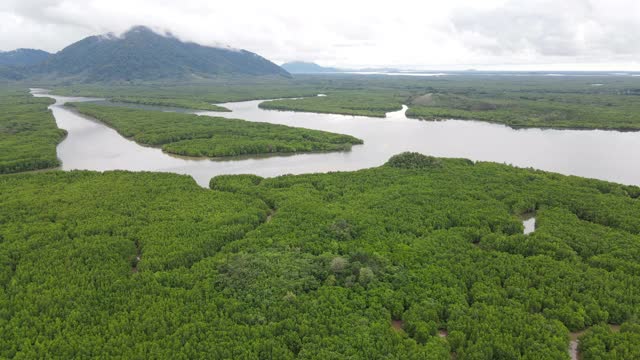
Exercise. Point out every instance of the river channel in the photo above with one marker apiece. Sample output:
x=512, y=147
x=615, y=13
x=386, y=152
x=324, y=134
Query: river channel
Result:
x=606, y=155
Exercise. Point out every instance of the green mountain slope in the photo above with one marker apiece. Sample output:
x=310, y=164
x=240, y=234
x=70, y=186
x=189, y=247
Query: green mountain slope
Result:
x=141, y=54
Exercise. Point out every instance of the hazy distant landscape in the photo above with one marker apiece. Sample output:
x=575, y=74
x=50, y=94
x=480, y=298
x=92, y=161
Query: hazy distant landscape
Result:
x=165, y=196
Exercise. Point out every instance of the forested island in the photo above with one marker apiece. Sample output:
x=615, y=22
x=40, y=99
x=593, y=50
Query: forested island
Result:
x=193, y=135
x=341, y=102
x=196, y=104
x=418, y=259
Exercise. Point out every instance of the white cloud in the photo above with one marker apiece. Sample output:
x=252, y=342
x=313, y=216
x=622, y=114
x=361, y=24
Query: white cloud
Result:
x=580, y=29
x=402, y=33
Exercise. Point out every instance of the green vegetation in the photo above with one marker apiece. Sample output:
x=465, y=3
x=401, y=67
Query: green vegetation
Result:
x=588, y=102
x=341, y=102
x=28, y=132
x=144, y=265
x=97, y=265
x=211, y=92
x=10, y=73
x=141, y=54
x=179, y=103
x=192, y=96
x=601, y=342
x=193, y=135
x=533, y=110
x=413, y=161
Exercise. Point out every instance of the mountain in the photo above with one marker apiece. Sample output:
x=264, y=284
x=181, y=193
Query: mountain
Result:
x=141, y=54
x=23, y=57
x=301, y=67
x=11, y=73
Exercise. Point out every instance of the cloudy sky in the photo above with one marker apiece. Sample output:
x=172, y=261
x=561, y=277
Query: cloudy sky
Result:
x=420, y=34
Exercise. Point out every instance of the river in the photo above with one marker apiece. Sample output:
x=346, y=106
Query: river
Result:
x=607, y=155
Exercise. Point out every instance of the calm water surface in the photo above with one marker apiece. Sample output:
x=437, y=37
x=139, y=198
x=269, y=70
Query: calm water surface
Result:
x=607, y=155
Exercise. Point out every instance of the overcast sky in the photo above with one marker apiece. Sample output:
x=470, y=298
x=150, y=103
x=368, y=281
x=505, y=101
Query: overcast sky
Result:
x=421, y=34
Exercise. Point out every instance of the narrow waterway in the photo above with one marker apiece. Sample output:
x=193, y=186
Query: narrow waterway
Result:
x=607, y=155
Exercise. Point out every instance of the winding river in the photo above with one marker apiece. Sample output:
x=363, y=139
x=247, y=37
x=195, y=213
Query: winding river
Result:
x=607, y=155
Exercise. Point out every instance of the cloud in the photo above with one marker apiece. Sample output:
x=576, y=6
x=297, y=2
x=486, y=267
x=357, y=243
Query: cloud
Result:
x=570, y=28
x=402, y=33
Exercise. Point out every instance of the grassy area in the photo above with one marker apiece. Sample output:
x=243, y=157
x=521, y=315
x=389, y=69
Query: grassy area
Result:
x=28, y=132
x=192, y=135
x=139, y=265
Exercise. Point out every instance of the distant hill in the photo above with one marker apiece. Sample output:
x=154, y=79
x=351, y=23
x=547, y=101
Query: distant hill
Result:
x=301, y=67
x=23, y=57
x=141, y=54
x=11, y=73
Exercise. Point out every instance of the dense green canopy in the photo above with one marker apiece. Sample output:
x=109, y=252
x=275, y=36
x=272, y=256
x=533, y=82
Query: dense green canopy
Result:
x=193, y=135
x=369, y=264
x=28, y=132
x=142, y=54
x=369, y=103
